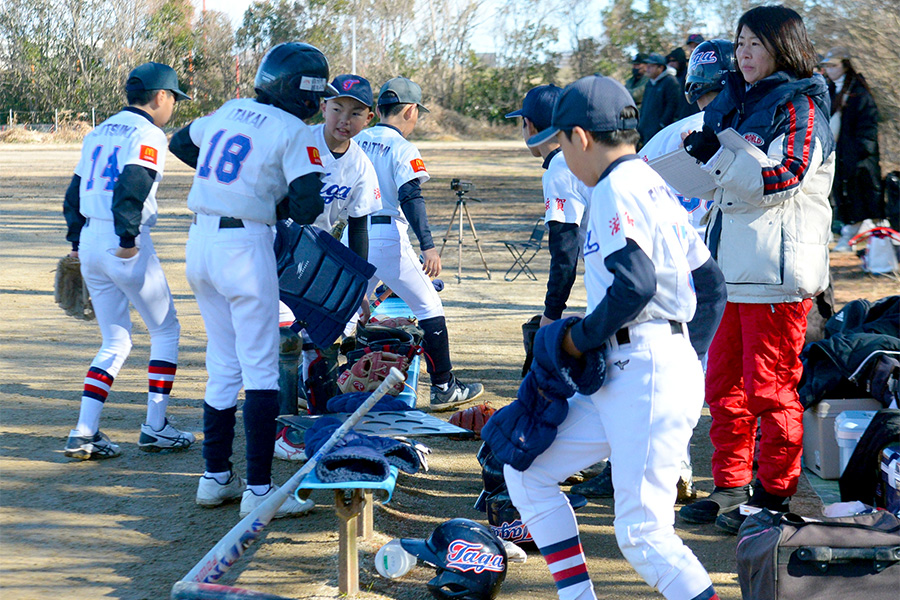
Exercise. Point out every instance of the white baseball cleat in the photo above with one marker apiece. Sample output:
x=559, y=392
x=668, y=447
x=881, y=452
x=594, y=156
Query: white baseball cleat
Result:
x=290, y=508
x=211, y=493
x=90, y=447
x=167, y=438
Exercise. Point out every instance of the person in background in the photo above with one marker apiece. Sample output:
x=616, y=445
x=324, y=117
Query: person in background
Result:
x=856, y=192
x=661, y=98
x=678, y=61
x=693, y=40
x=638, y=80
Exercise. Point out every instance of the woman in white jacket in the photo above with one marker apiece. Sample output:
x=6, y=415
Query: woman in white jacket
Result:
x=768, y=231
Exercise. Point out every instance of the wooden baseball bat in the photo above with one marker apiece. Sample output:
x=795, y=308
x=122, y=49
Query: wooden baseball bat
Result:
x=234, y=543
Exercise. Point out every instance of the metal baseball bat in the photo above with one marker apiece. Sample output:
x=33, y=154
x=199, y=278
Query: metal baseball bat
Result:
x=234, y=543
x=191, y=590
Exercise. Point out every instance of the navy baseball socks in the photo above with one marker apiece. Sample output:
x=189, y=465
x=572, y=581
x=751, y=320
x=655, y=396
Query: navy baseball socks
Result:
x=446, y=390
x=732, y=520
x=219, y=484
x=720, y=501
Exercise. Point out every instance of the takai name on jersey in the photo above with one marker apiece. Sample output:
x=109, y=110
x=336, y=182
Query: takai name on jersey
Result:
x=242, y=115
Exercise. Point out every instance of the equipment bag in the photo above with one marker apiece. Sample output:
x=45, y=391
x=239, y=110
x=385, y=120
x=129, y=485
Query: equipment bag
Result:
x=781, y=556
x=860, y=478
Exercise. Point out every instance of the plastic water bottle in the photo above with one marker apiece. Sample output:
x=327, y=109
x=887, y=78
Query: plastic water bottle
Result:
x=392, y=561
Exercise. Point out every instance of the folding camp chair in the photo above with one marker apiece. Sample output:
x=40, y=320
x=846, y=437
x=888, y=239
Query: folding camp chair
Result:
x=523, y=252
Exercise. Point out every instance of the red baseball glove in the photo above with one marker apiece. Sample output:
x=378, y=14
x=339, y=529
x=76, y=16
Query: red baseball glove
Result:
x=472, y=418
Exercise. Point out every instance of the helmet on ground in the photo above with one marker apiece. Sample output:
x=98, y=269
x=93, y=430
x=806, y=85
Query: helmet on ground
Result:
x=709, y=66
x=294, y=77
x=505, y=521
x=471, y=561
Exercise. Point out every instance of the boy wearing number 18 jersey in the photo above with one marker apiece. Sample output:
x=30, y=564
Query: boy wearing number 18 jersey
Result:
x=110, y=207
x=250, y=155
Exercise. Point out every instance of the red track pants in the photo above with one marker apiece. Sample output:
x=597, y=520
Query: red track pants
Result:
x=753, y=371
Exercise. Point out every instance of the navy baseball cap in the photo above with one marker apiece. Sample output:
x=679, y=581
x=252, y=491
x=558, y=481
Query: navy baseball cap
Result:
x=154, y=76
x=695, y=38
x=593, y=103
x=401, y=90
x=655, y=59
x=640, y=57
x=538, y=105
x=353, y=86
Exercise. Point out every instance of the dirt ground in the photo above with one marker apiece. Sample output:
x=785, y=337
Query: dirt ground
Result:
x=128, y=528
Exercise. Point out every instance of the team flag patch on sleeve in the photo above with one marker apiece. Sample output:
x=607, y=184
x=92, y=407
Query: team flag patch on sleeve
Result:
x=418, y=165
x=148, y=153
x=314, y=157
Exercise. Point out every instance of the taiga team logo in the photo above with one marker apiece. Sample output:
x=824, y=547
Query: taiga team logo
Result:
x=347, y=85
x=754, y=138
x=703, y=58
x=466, y=556
x=513, y=532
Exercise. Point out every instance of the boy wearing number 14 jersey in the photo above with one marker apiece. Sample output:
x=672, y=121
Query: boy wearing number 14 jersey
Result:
x=110, y=207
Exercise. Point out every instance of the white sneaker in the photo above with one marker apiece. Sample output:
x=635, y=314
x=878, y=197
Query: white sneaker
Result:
x=90, y=447
x=167, y=438
x=290, y=508
x=289, y=445
x=211, y=493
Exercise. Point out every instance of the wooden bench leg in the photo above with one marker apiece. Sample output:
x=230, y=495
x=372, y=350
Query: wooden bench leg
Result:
x=366, y=517
x=348, y=554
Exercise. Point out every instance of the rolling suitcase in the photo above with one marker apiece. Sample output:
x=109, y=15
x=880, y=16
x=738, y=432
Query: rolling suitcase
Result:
x=784, y=557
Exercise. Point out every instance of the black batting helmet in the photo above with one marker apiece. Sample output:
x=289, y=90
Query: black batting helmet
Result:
x=294, y=77
x=709, y=66
x=471, y=561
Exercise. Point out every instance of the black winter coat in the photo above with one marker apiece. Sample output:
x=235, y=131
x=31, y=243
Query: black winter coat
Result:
x=856, y=192
x=660, y=106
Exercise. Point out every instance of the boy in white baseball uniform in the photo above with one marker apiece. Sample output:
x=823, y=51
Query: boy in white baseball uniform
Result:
x=350, y=192
x=565, y=200
x=642, y=259
x=401, y=171
x=110, y=207
x=250, y=155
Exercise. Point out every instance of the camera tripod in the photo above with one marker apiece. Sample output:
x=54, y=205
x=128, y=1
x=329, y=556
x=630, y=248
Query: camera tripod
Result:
x=461, y=209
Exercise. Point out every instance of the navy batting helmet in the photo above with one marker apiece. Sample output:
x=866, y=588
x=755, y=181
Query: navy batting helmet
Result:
x=709, y=66
x=471, y=561
x=294, y=77
x=505, y=521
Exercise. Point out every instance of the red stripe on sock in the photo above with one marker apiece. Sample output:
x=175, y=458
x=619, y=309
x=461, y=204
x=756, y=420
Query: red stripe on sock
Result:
x=99, y=377
x=161, y=370
x=96, y=390
x=570, y=572
x=563, y=554
x=161, y=383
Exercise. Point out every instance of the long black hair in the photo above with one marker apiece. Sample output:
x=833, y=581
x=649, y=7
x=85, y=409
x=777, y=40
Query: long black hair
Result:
x=784, y=35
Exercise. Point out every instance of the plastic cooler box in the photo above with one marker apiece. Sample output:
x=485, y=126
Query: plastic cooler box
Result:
x=848, y=428
x=395, y=307
x=887, y=495
x=821, y=454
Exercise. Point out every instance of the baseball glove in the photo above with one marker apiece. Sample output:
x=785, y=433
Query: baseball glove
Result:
x=70, y=291
x=367, y=373
x=472, y=418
